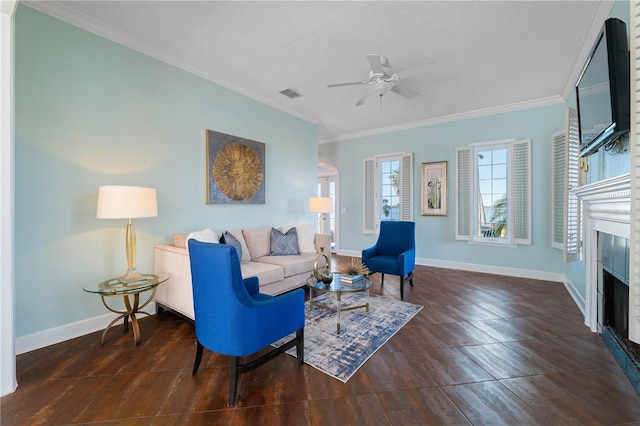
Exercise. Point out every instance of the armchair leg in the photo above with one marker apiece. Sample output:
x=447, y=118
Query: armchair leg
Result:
x=382, y=283
x=409, y=278
x=196, y=364
x=233, y=380
x=236, y=369
x=300, y=346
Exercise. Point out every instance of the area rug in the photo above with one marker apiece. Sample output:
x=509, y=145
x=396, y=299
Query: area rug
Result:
x=361, y=333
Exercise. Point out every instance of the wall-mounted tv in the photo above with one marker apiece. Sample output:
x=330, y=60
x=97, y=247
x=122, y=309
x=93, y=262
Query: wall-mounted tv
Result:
x=602, y=90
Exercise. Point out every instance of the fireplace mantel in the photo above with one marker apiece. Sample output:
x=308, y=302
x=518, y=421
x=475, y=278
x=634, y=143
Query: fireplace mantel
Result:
x=606, y=207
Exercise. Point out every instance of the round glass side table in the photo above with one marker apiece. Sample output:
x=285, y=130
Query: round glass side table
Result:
x=130, y=291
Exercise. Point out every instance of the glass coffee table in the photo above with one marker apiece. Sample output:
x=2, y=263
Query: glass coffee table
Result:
x=116, y=287
x=338, y=287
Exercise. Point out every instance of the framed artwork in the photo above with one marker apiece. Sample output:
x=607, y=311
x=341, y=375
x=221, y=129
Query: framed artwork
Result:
x=434, y=189
x=235, y=170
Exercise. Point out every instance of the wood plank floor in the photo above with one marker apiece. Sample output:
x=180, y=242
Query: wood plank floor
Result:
x=485, y=350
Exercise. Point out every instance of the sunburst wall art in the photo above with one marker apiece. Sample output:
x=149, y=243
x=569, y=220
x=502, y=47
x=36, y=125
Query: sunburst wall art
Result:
x=235, y=170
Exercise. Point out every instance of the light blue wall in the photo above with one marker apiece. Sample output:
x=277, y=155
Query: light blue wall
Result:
x=90, y=112
x=435, y=236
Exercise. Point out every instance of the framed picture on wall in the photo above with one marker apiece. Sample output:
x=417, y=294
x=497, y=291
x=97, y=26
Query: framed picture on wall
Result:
x=434, y=189
x=235, y=170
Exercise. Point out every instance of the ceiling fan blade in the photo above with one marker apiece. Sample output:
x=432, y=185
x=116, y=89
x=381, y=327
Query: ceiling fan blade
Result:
x=375, y=63
x=404, y=91
x=353, y=83
x=422, y=69
x=364, y=98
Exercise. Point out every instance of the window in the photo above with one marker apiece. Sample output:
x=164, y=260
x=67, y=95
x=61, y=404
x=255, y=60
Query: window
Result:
x=493, y=192
x=388, y=190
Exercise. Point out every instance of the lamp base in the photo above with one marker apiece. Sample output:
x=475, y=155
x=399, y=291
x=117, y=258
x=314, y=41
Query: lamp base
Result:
x=119, y=284
x=133, y=276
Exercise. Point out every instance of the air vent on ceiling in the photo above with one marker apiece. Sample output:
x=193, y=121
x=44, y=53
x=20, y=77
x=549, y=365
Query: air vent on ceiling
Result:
x=290, y=93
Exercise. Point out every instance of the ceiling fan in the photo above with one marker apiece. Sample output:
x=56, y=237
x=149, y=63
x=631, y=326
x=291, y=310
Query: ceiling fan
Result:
x=381, y=81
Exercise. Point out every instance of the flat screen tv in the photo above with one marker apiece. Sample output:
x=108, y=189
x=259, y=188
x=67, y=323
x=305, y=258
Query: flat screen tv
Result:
x=602, y=90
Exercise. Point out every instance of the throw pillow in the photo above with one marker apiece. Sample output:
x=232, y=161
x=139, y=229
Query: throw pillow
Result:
x=284, y=244
x=180, y=240
x=306, y=236
x=205, y=236
x=258, y=241
x=246, y=256
x=233, y=241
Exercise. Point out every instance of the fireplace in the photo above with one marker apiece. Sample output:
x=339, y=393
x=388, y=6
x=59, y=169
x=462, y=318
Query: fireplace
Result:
x=608, y=306
x=613, y=300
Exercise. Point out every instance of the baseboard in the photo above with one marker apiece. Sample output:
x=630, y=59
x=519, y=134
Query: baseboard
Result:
x=577, y=297
x=54, y=335
x=474, y=267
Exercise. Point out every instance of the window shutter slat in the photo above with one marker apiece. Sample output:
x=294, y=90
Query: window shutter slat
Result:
x=572, y=219
x=463, y=194
x=368, y=202
x=406, y=185
x=522, y=191
x=558, y=161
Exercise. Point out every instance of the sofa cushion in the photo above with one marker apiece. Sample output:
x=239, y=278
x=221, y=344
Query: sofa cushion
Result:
x=284, y=244
x=292, y=265
x=258, y=242
x=266, y=273
x=205, y=236
x=180, y=240
x=306, y=236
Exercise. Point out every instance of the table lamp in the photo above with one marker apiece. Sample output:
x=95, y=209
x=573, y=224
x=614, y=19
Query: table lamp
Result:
x=127, y=202
x=321, y=205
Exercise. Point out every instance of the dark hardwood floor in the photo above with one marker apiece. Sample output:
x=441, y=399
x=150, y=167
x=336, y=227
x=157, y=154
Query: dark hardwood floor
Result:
x=485, y=350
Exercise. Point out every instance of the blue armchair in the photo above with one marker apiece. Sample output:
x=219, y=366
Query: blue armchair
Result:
x=233, y=318
x=394, y=252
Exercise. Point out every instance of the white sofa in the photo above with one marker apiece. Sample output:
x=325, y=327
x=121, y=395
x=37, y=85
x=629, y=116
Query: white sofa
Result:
x=276, y=274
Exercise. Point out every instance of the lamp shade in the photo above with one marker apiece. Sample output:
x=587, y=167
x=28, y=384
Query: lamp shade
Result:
x=320, y=205
x=126, y=202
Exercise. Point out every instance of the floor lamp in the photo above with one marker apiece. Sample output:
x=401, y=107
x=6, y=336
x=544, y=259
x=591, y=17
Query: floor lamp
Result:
x=128, y=202
x=321, y=205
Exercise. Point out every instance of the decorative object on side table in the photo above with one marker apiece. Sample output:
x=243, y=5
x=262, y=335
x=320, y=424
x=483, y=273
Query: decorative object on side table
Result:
x=321, y=206
x=128, y=202
x=325, y=276
x=352, y=266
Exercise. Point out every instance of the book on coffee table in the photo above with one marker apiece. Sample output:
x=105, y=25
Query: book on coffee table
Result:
x=350, y=279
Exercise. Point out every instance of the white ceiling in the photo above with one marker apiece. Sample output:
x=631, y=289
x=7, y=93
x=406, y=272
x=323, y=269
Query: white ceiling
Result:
x=490, y=55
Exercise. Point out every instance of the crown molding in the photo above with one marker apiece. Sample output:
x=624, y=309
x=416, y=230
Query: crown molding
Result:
x=449, y=118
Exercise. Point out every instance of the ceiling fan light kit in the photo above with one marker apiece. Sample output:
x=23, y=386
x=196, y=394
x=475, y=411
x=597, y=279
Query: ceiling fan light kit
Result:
x=380, y=82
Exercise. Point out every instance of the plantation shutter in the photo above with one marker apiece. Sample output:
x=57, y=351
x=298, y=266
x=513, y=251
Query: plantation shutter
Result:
x=406, y=187
x=634, y=268
x=572, y=219
x=558, y=161
x=522, y=191
x=369, y=196
x=565, y=210
x=463, y=194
